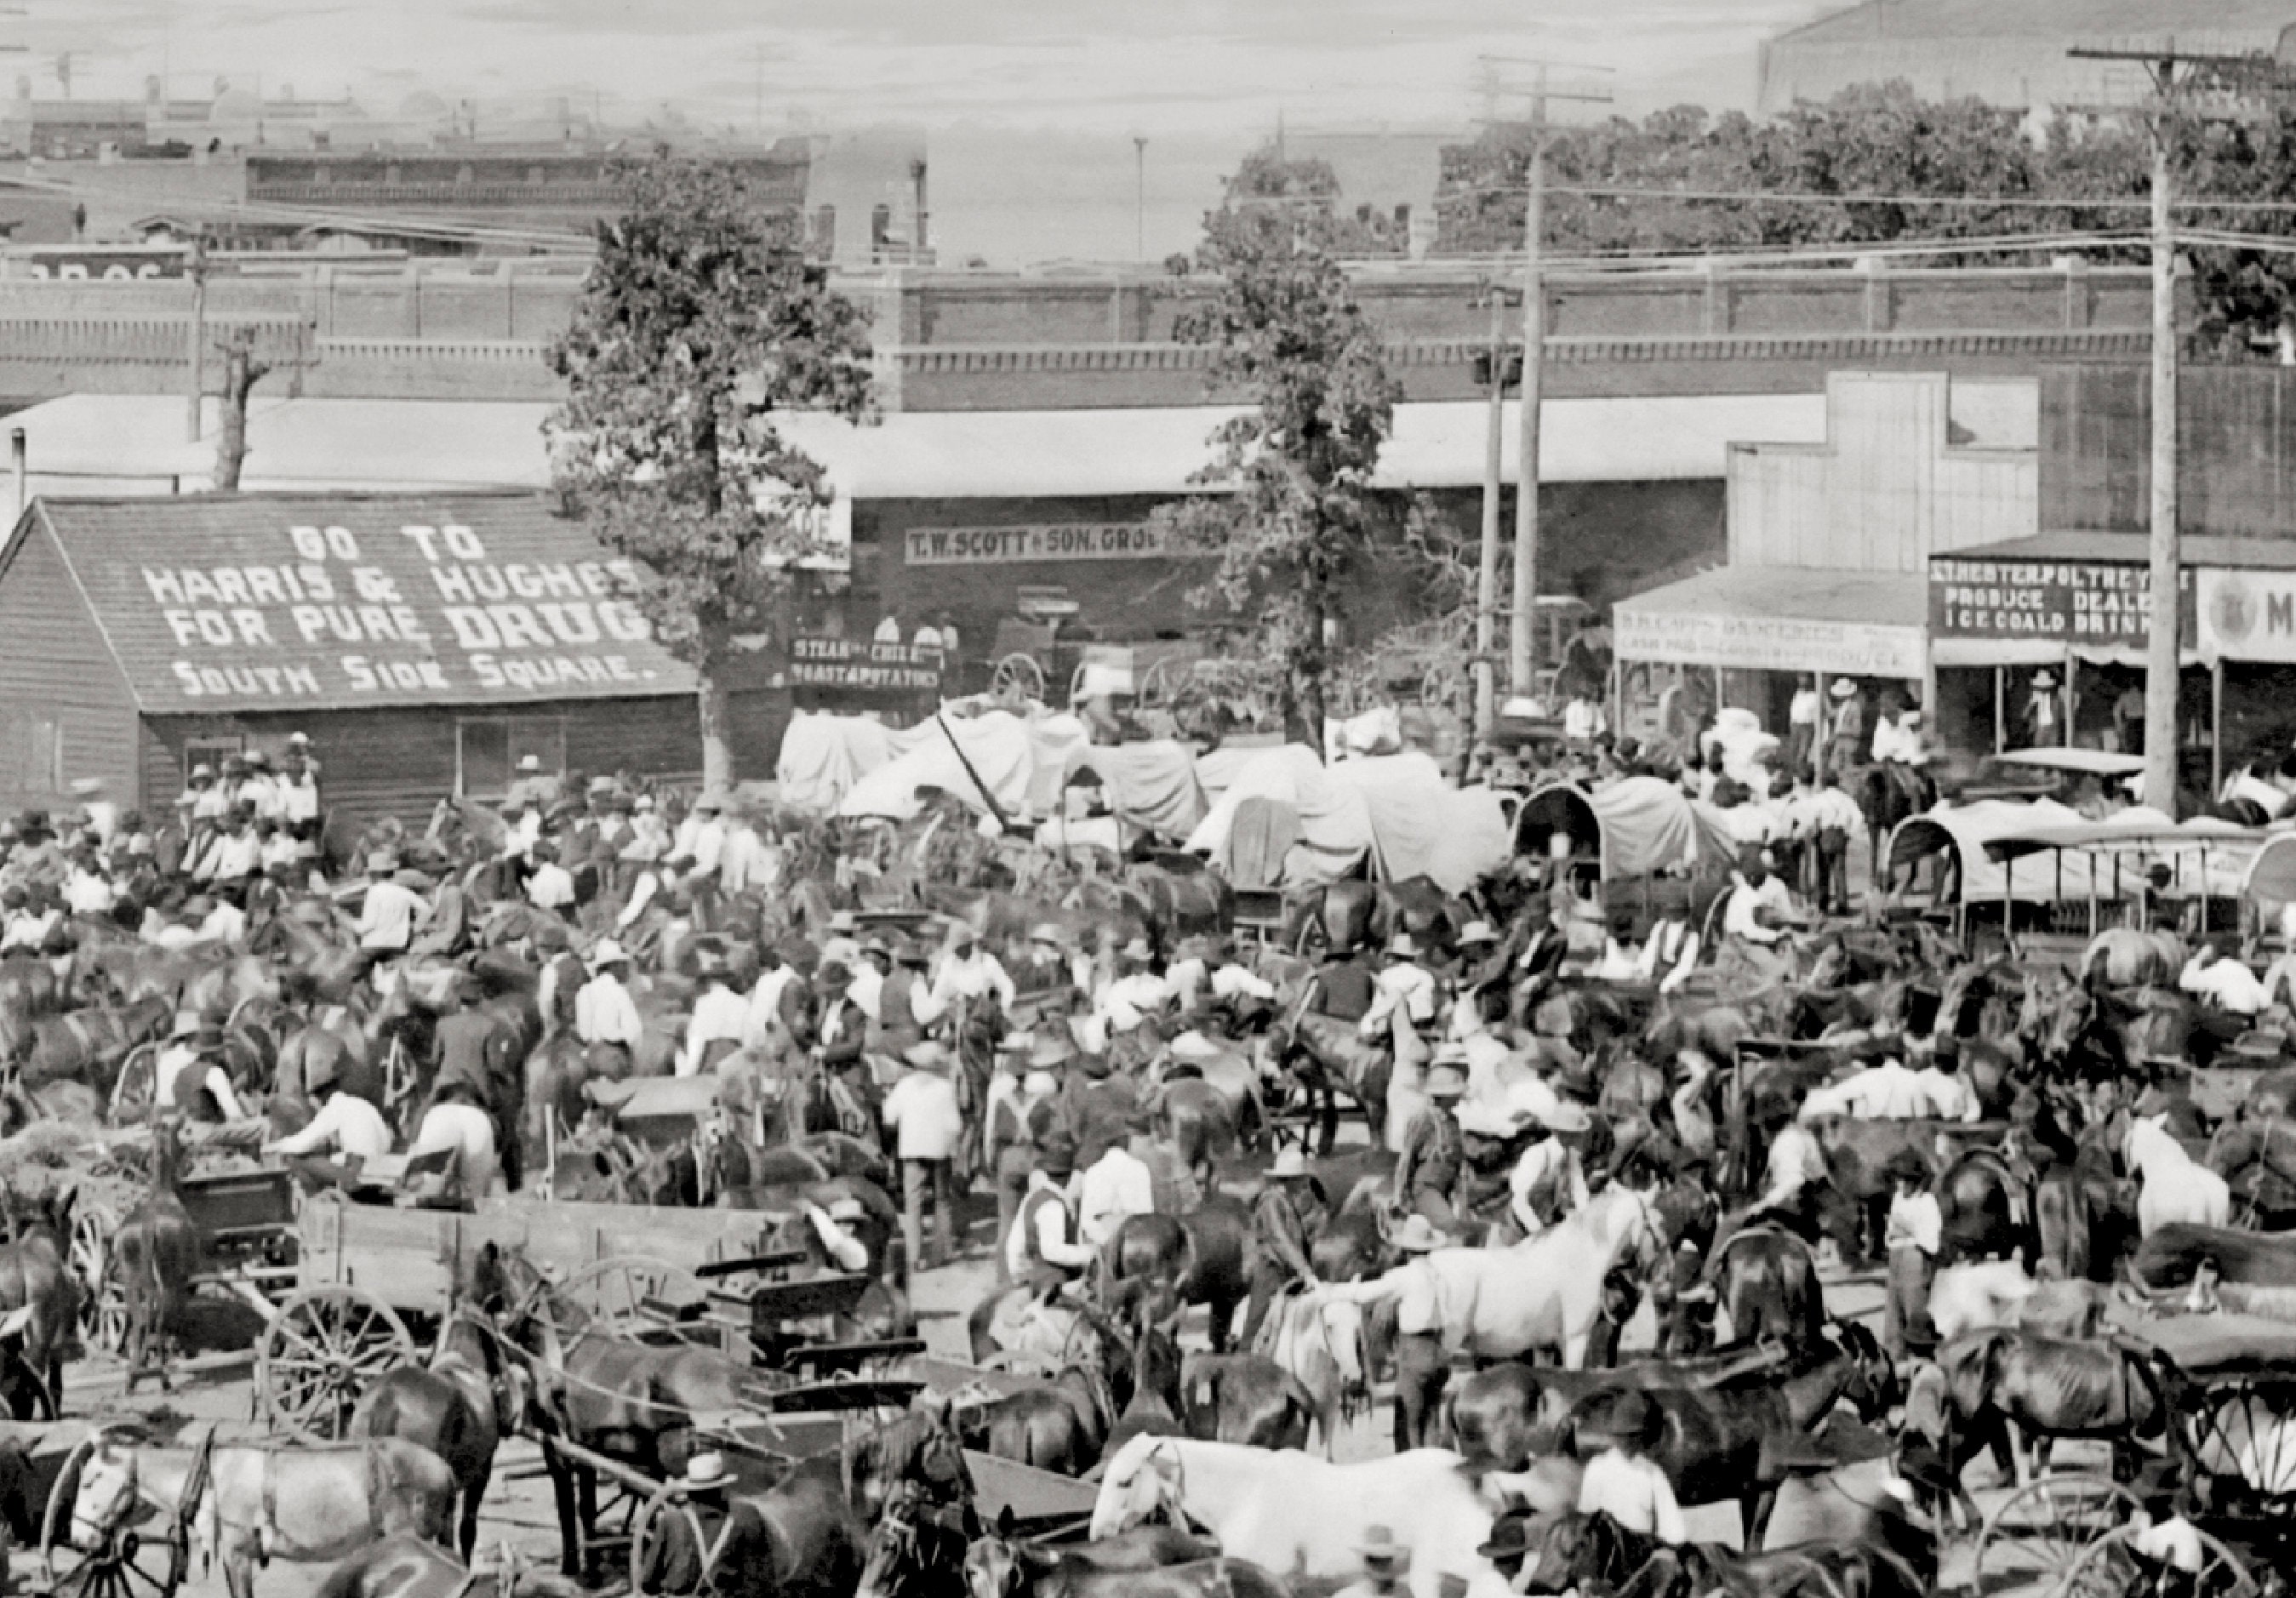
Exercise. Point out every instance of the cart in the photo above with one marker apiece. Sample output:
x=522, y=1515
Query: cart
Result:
x=2227, y=1386
x=147, y=1559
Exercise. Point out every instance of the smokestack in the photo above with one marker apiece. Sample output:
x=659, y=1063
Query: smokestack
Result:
x=917, y=179
x=16, y=464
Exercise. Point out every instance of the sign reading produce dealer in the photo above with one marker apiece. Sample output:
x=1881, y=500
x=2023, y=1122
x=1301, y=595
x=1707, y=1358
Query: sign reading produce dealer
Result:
x=1738, y=642
x=2075, y=603
x=1054, y=541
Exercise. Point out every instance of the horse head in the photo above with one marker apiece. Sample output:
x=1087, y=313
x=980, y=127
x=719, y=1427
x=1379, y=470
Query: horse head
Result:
x=912, y=1549
x=999, y=1565
x=1147, y=1480
x=923, y=1446
x=108, y=1490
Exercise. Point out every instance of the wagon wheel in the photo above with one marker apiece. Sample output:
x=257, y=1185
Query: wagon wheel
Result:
x=2036, y=1536
x=1018, y=675
x=2109, y=1568
x=103, y=1302
x=1156, y=689
x=132, y=1091
x=660, y=1519
x=613, y=1294
x=145, y=1559
x=320, y=1352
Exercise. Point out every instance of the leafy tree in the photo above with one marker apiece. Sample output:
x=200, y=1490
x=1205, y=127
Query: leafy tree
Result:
x=701, y=320
x=1298, y=515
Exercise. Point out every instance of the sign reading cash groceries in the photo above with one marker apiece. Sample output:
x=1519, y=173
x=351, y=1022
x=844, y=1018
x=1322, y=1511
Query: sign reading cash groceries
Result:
x=1742, y=642
x=858, y=663
x=2247, y=615
x=1048, y=541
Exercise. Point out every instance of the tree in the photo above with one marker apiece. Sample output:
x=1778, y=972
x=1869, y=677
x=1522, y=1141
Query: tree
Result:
x=1298, y=513
x=702, y=321
x=241, y=373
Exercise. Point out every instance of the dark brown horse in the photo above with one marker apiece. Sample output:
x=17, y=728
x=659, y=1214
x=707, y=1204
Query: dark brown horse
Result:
x=156, y=1252
x=460, y=1408
x=39, y=1289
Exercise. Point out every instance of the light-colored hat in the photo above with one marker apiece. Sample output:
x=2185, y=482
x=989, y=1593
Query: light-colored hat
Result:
x=1403, y=944
x=2044, y=678
x=847, y=1208
x=1018, y=1041
x=607, y=952
x=1193, y=1046
x=202, y=770
x=645, y=801
x=1290, y=1166
x=1035, y=1080
x=1476, y=931
x=843, y=922
x=534, y=763
x=1379, y=1546
x=707, y=804
x=85, y=786
x=1567, y=1117
x=1137, y=950
x=925, y=1055
x=299, y=740
x=1052, y=1047
x=1044, y=931
x=382, y=860
x=1843, y=688
x=187, y=1021
x=1446, y=1080
x=1418, y=1235
x=704, y=1470
x=1478, y=1120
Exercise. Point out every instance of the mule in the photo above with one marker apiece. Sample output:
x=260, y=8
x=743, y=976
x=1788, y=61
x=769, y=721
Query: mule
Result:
x=2048, y=1387
x=1200, y=1254
x=1504, y=1415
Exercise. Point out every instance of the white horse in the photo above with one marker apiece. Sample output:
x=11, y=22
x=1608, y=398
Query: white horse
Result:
x=1295, y=1515
x=1320, y=1341
x=1546, y=1291
x=2176, y=1187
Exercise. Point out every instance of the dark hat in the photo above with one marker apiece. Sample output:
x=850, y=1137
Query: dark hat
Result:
x=1510, y=1538
x=1906, y=1165
x=1056, y=1155
x=1636, y=1421
x=833, y=974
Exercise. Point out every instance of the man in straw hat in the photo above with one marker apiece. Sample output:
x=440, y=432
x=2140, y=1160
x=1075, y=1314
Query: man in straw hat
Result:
x=1549, y=1181
x=1288, y=1213
x=920, y=1109
x=606, y=1017
x=1404, y=986
x=1387, y=1565
x=967, y=971
x=391, y=911
x=1427, y=1171
x=2043, y=716
x=1845, y=748
x=1422, y=1367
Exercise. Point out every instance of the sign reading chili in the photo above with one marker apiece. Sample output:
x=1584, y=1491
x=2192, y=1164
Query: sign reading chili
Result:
x=2076, y=603
x=858, y=663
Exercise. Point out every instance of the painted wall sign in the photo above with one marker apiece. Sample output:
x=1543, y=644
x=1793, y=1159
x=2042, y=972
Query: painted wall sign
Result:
x=2248, y=615
x=2076, y=603
x=1741, y=642
x=1051, y=541
x=858, y=663
x=362, y=607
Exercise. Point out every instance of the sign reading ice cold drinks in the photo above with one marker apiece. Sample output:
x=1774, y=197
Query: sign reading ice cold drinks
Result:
x=410, y=612
x=2074, y=603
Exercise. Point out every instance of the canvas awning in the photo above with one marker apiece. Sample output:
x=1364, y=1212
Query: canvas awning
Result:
x=1781, y=618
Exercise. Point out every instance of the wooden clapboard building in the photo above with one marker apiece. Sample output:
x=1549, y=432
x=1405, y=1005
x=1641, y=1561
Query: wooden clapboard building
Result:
x=425, y=643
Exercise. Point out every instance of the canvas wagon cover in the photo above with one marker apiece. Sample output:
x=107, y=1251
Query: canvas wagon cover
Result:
x=1650, y=824
x=1398, y=809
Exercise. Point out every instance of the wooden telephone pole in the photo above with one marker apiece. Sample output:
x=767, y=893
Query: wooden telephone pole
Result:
x=1522, y=628
x=2163, y=663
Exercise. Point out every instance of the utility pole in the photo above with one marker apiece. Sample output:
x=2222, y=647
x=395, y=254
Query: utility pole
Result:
x=1486, y=574
x=196, y=264
x=2162, y=665
x=1139, y=197
x=1522, y=629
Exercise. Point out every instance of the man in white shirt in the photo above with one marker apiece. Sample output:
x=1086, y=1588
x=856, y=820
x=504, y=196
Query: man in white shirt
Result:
x=1421, y=1366
x=719, y=1016
x=888, y=629
x=1136, y=993
x=966, y=971
x=221, y=922
x=700, y=839
x=2227, y=984
x=549, y=886
x=88, y=891
x=391, y=911
x=1752, y=922
x=1041, y=1248
x=1802, y=725
x=298, y=785
x=455, y=1120
x=869, y=973
x=258, y=793
x=1950, y=1096
x=346, y=1126
x=208, y=802
x=237, y=853
x=1405, y=985
x=747, y=861
x=922, y=1111
x=188, y=1077
x=605, y=1016
x=1836, y=819
x=1885, y=1090
x=1583, y=721
x=1117, y=1185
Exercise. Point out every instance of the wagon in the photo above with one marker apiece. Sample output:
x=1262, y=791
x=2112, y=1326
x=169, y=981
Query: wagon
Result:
x=2227, y=1385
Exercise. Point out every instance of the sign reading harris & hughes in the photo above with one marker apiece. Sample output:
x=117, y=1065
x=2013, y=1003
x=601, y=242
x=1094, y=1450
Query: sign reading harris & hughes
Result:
x=860, y=664
x=2076, y=603
x=1045, y=541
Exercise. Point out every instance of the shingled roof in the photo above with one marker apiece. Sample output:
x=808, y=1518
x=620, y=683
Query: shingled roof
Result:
x=232, y=602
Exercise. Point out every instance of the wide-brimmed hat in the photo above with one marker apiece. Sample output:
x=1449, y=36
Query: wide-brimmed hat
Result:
x=1051, y=1047
x=1567, y=1117
x=705, y=1470
x=1403, y=945
x=187, y=1022
x=1476, y=931
x=841, y=920
x=1446, y=1080
x=2044, y=678
x=1510, y=1538
x=847, y=1208
x=1478, y=1120
x=607, y=952
x=1137, y=950
x=1291, y=1165
x=707, y=804
x=1379, y=1547
x=1044, y=931
x=382, y=861
x=925, y=1055
x=1417, y=1235
x=1843, y=688
x=299, y=741
x=1056, y=1155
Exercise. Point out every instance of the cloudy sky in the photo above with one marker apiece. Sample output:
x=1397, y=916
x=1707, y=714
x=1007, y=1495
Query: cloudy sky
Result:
x=1107, y=66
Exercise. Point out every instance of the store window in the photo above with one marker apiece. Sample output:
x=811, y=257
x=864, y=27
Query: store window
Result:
x=211, y=752
x=489, y=749
x=31, y=752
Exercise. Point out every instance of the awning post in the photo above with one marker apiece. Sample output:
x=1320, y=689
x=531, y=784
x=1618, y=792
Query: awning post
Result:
x=2000, y=709
x=2216, y=728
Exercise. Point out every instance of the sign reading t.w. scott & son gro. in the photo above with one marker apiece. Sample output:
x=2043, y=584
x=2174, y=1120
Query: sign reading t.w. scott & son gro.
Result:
x=2078, y=603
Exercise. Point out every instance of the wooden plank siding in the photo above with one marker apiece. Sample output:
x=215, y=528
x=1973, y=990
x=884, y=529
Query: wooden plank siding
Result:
x=400, y=761
x=57, y=670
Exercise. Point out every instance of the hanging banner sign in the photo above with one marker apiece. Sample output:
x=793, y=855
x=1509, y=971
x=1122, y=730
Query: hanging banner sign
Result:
x=858, y=663
x=1056, y=541
x=2247, y=615
x=2075, y=603
x=1738, y=642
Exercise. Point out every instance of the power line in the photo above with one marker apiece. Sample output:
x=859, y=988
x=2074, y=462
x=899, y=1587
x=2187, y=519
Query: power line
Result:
x=1803, y=197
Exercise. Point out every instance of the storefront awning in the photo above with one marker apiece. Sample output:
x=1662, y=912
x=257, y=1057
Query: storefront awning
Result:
x=1781, y=618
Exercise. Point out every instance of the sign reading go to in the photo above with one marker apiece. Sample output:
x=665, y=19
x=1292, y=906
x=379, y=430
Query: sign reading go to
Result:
x=1738, y=643
x=1053, y=541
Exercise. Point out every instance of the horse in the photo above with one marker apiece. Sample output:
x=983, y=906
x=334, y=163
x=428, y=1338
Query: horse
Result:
x=917, y=1547
x=38, y=1289
x=257, y=1502
x=1156, y=1402
x=1713, y=1441
x=460, y=1407
x=1295, y=1515
x=1325, y=1057
x=999, y=1567
x=1245, y=1398
x=89, y=1044
x=1320, y=1343
x=2176, y=1187
x=1199, y=1255
x=1545, y=1291
x=405, y=1566
x=1767, y=1282
x=1503, y=1416
x=800, y=1537
x=2050, y=1388
x=156, y=1252
x=2126, y=957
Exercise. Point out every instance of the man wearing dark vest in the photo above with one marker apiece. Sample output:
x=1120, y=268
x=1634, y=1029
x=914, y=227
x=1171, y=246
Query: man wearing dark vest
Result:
x=1428, y=1170
x=897, y=1026
x=1287, y=1215
x=1045, y=1250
